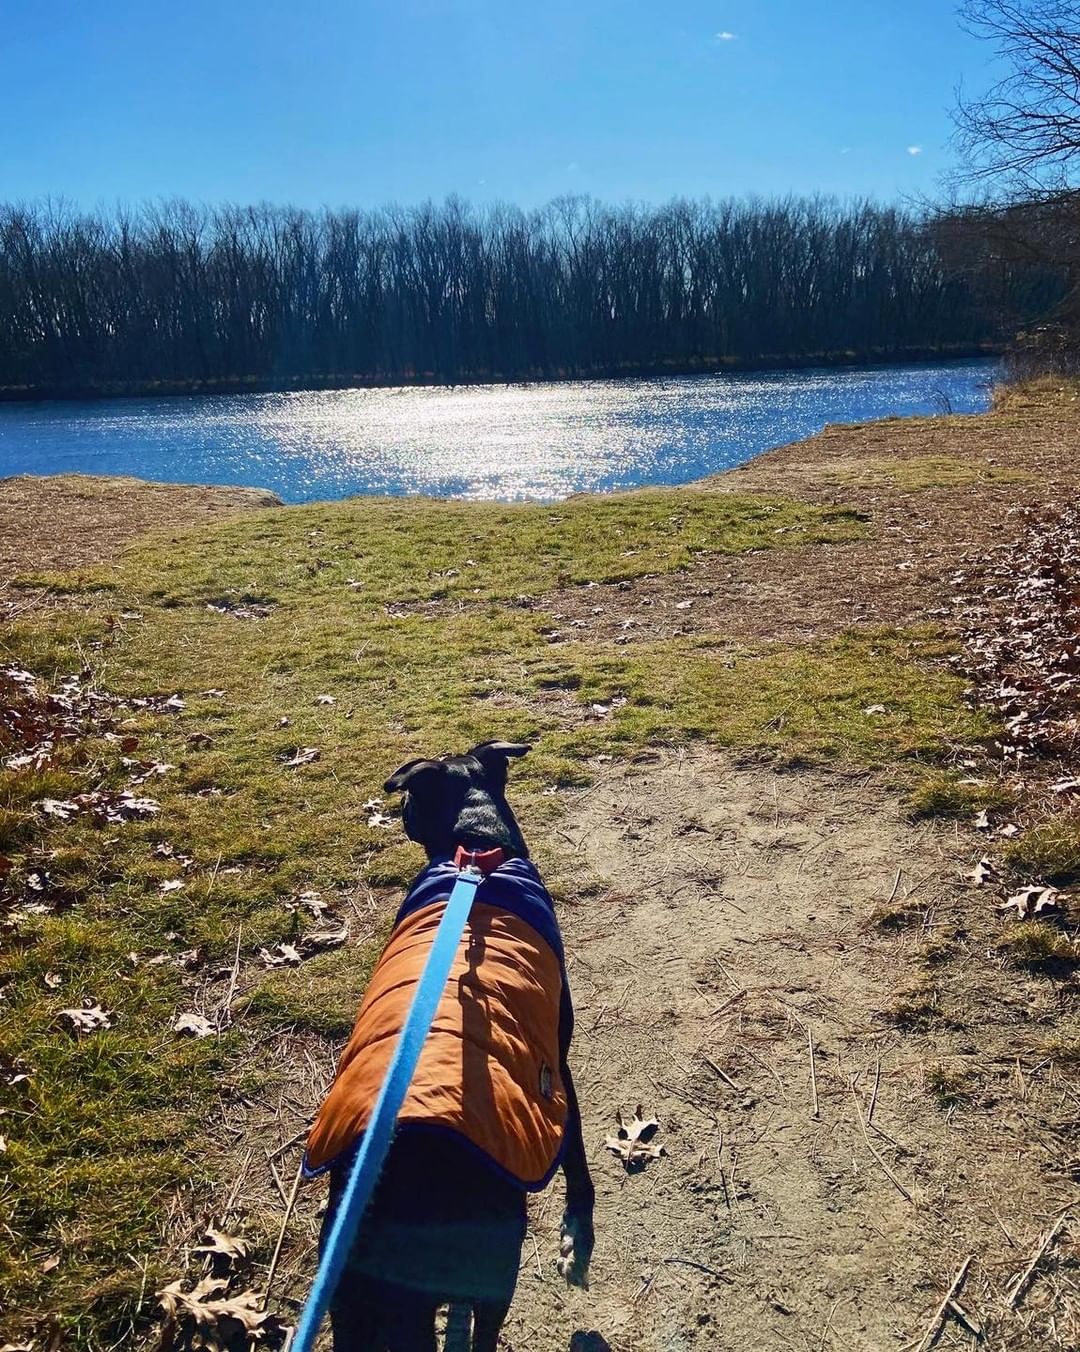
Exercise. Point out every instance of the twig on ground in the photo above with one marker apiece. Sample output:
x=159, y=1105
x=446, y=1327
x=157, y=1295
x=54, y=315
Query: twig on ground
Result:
x=930, y=1336
x=286, y=1145
x=291, y=1203
x=828, y=1325
x=969, y=1321
x=896, y=884
x=813, y=1072
x=226, y=1004
x=723, y=1075
x=1020, y=1285
x=239, y=1182
x=701, y=1267
x=536, y=1255
x=720, y=1165
x=873, y=1096
x=213, y=877
x=277, y=1179
x=765, y=1065
x=877, y=1153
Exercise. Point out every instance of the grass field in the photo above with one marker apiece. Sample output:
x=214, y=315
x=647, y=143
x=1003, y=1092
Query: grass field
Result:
x=268, y=672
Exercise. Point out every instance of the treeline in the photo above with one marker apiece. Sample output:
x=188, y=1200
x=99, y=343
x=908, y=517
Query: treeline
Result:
x=177, y=295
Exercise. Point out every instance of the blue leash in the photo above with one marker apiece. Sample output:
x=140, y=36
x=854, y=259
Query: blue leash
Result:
x=371, y=1156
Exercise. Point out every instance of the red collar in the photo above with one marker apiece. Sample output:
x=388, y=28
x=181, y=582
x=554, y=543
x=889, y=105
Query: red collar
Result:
x=487, y=861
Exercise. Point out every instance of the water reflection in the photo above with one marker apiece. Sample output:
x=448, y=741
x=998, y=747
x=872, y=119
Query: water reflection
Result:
x=511, y=442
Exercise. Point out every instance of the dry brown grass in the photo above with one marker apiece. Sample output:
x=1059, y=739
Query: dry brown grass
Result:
x=68, y=521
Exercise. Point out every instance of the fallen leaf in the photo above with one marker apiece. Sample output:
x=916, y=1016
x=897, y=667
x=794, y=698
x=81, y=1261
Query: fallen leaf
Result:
x=1032, y=901
x=325, y=699
x=214, y=694
x=1008, y=830
x=372, y=805
x=380, y=819
x=90, y=1019
x=303, y=755
x=312, y=901
x=1066, y=786
x=136, y=809
x=193, y=1025
x=3, y=1145
x=53, y=980
x=219, y=1244
x=875, y=709
x=983, y=873
x=172, y=885
x=174, y=704
x=634, y=1142
x=982, y=821
x=51, y=1263
x=315, y=940
x=284, y=955
x=218, y=1325
x=55, y=807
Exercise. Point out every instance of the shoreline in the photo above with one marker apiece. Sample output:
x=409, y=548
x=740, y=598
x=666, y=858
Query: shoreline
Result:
x=313, y=383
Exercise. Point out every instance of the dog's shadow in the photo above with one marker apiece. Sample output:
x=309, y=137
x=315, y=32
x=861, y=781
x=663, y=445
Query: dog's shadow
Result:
x=589, y=1342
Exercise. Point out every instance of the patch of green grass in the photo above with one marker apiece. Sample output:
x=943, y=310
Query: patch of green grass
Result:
x=102, y=1129
x=916, y=473
x=420, y=550
x=806, y=702
x=947, y=793
x=948, y=1088
x=1038, y=945
x=320, y=996
x=1050, y=851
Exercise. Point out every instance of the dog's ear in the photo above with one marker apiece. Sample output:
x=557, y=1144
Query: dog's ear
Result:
x=411, y=775
x=493, y=756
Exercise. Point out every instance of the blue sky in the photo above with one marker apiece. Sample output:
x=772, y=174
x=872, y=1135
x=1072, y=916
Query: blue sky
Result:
x=350, y=101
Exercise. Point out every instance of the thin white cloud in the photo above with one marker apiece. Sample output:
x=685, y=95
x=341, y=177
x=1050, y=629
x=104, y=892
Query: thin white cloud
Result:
x=914, y=150
x=725, y=36
x=845, y=150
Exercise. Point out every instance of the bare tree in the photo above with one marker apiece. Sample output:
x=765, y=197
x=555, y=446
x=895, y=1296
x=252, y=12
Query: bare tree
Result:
x=1023, y=134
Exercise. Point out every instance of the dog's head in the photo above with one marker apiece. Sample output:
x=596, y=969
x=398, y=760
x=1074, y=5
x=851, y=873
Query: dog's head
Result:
x=460, y=800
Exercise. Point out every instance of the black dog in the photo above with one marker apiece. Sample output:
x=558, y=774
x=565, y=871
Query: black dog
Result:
x=492, y=1111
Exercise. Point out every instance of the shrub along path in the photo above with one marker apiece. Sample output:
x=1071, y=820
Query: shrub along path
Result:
x=197, y=872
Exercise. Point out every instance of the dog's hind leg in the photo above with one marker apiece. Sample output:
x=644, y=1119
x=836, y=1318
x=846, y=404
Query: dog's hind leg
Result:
x=488, y=1319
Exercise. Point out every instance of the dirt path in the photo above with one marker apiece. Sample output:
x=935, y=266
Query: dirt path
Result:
x=741, y=920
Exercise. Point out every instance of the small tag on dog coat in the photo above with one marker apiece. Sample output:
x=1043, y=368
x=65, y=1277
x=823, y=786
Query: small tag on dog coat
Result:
x=547, y=1082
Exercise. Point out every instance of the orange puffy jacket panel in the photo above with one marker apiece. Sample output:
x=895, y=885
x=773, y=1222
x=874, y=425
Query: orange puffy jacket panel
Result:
x=489, y=1070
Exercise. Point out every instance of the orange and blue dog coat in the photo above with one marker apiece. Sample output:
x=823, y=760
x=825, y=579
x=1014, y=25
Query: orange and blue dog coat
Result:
x=489, y=1070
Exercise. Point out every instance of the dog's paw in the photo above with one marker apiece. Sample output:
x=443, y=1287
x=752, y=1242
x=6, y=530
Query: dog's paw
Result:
x=575, y=1248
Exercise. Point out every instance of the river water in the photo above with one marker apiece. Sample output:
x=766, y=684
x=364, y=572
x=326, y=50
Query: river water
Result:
x=540, y=441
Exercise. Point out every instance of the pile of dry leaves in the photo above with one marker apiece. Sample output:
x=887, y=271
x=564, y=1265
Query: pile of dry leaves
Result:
x=1021, y=620
x=1020, y=615
x=216, y=1314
